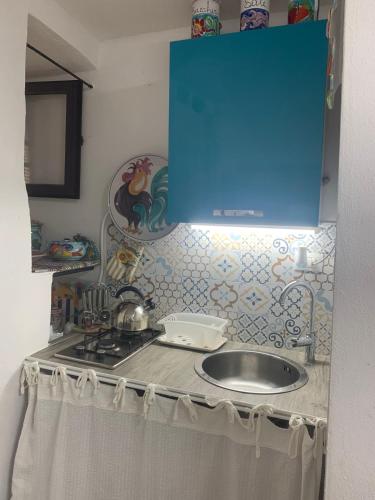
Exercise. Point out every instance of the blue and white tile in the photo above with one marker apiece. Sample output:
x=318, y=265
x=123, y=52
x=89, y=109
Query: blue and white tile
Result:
x=226, y=240
x=283, y=271
x=197, y=238
x=195, y=292
x=146, y=266
x=225, y=265
x=255, y=268
x=276, y=309
x=254, y=299
x=223, y=295
x=252, y=329
x=196, y=264
x=146, y=284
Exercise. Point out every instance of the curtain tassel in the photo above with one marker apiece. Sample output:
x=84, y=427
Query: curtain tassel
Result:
x=148, y=398
x=87, y=375
x=120, y=393
x=261, y=411
x=319, y=436
x=189, y=405
x=58, y=373
x=29, y=375
x=296, y=424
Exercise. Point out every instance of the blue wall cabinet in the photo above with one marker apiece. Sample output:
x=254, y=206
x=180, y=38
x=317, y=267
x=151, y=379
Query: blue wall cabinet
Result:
x=247, y=127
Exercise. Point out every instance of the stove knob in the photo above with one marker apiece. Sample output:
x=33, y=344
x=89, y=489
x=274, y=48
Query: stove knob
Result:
x=100, y=354
x=80, y=350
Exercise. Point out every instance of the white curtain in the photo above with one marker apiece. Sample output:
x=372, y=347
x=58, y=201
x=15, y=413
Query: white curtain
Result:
x=85, y=440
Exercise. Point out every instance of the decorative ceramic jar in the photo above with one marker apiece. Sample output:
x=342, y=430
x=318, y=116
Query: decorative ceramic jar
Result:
x=206, y=18
x=300, y=11
x=255, y=14
x=36, y=235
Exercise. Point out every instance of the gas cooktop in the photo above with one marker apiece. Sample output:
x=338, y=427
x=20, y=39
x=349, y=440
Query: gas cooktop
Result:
x=109, y=349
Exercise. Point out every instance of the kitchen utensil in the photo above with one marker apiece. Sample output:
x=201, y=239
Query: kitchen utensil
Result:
x=198, y=332
x=57, y=322
x=67, y=249
x=138, y=198
x=95, y=303
x=132, y=315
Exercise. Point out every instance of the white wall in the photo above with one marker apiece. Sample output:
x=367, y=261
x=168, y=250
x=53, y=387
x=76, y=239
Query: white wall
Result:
x=24, y=298
x=351, y=444
x=64, y=27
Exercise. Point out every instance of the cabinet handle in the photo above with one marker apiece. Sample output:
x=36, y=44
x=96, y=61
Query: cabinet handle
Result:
x=237, y=213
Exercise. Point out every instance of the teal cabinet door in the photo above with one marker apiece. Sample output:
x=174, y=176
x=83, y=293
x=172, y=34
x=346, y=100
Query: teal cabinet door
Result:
x=246, y=127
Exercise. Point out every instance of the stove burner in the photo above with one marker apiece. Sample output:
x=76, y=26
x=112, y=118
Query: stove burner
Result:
x=109, y=349
x=106, y=344
x=100, y=353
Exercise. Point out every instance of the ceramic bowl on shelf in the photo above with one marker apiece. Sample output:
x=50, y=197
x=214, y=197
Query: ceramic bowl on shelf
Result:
x=67, y=250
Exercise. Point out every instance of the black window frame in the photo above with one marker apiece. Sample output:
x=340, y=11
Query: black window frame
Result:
x=73, y=90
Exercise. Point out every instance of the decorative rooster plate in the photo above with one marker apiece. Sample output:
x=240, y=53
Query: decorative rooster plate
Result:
x=138, y=198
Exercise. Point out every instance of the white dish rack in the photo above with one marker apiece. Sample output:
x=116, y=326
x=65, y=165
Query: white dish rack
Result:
x=198, y=332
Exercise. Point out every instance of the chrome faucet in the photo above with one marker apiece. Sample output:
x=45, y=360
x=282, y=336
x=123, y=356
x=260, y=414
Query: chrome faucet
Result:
x=307, y=340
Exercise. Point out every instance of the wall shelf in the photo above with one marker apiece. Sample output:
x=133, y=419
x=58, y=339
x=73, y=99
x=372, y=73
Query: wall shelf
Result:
x=63, y=268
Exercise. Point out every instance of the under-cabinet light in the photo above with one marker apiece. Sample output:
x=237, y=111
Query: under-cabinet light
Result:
x=253, y=229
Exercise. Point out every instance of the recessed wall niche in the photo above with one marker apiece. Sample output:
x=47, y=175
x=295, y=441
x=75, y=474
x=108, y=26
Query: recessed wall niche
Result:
x=53, y=138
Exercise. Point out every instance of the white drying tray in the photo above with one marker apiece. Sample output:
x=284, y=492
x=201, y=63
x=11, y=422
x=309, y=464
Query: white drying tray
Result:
x=198, y=332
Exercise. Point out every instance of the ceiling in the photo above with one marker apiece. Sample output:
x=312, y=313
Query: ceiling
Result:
x=107, y=19
x=44, y=39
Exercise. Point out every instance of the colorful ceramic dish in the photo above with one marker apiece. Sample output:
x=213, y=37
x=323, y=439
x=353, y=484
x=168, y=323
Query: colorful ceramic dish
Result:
x=67, y=250
x=138, y=198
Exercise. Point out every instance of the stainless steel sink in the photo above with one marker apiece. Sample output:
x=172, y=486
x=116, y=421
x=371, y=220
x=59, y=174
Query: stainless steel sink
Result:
x=251, y=371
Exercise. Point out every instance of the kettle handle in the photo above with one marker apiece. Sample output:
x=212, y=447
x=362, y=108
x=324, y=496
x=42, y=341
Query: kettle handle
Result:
x=129, y=288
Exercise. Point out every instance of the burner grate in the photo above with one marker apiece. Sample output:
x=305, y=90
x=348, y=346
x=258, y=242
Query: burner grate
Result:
x=109, y=349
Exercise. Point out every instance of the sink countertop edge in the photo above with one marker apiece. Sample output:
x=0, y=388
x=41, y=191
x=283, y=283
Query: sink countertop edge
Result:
x=173, y=368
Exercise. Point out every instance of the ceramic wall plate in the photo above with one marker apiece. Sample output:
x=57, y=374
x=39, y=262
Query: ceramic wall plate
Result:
x=138, y=198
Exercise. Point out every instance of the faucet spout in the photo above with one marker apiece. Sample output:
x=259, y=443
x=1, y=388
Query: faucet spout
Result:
x=309, y=340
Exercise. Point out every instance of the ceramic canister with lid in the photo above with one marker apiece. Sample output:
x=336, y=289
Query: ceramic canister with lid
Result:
x=300, y=11
x=206, y=18
x=255, y=14
x=36, y=235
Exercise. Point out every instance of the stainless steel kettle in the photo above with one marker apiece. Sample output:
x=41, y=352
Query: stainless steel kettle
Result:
x=132, y=315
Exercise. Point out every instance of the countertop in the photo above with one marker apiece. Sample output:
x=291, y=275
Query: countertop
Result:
x=173, y=368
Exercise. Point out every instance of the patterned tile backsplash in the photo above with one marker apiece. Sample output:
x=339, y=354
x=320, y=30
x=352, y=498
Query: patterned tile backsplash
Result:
x=239, y=276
